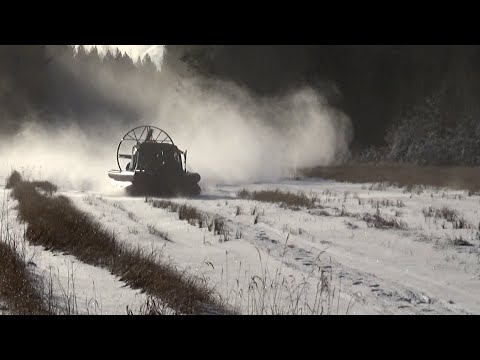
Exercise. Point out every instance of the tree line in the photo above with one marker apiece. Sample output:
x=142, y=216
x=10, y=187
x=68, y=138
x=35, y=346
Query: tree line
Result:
x=403, y=99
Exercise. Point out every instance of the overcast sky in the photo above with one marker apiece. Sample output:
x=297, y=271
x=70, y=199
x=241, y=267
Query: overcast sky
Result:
x=155, y=51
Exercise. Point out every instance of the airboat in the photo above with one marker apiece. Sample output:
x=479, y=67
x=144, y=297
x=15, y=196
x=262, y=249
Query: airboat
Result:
x=151, y=164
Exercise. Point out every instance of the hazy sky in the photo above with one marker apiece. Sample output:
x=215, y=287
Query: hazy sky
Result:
x=155, y=51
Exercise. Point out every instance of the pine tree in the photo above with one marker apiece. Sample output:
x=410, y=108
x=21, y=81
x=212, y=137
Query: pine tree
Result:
x=148, y=66
x=81, y=54
x=138, y=63
x=108, y=59
x=94, y=57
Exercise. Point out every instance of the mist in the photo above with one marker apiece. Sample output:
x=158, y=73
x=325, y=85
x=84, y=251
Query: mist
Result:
x=234, y=137
x=71, y=157
x=231, y=136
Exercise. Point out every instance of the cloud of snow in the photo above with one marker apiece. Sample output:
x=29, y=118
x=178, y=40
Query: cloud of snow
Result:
x=232, y=136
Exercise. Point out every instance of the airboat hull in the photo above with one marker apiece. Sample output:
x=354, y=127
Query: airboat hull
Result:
x=122, y=176
x=156, y=184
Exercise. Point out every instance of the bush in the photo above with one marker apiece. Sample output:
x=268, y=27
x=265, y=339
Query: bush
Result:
x=13, y=179
x=426, y=136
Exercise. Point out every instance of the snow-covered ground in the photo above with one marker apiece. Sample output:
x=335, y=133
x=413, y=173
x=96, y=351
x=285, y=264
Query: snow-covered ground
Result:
x=75, y=287
x=423, y=268
x=326, y=259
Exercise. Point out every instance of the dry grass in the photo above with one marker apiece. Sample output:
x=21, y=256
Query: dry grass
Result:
x=459, y=242
x=45, y=186
x=56, y=224
x=191, y=214
x=19, y=288
x=449, y=215
x=385, y=203
x=153, y=307
x=380, y=222
x=188, y=213
x=163, y=204
x=275, y=293
x=443, y=213
x=351, y=225
x=285, y=199
x=460, y=177
x=195, y=217
x=161, y=234
x=456, y=241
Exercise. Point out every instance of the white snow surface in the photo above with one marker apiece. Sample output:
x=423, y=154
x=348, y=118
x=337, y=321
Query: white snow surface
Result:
x=431, y=266
x=424, y=268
